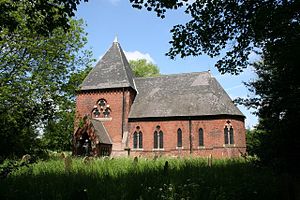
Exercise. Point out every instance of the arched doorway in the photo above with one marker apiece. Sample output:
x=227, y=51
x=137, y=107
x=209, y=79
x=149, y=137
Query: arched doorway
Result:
x=83, y=145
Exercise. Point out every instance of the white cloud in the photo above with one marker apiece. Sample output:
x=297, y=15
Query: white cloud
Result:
x=136, y=55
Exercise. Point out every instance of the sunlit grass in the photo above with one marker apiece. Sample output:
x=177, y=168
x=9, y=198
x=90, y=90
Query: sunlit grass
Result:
x=123, y=178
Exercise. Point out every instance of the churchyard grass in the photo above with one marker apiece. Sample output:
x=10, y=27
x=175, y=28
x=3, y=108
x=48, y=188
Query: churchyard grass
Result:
x=145, y=178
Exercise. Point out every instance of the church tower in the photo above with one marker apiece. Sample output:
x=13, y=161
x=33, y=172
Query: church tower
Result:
x=103, y=104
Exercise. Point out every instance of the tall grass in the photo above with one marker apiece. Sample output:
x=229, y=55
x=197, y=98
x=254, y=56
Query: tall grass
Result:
x=123, y=178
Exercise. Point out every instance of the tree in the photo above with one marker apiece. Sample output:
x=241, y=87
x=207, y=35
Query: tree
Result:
x=59, y=130
x=141, y=68
x=276, y=96
x=43, y=16
x=241, y=25
x=34, y=69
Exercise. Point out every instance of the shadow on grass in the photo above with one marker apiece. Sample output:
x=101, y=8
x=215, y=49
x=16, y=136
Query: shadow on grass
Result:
x=145, y=180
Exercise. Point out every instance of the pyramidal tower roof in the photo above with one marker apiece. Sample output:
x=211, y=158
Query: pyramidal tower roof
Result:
x=112, y=71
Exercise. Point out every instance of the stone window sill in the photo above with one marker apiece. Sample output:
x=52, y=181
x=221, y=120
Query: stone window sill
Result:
x=138, y=149
x=228, y=145
x=158, y=149
x=179, y=148
x=103, y=119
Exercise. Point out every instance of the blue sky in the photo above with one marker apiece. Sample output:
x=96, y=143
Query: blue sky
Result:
x=143, y=35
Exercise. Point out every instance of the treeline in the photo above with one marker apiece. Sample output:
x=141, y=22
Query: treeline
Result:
x=39, y=75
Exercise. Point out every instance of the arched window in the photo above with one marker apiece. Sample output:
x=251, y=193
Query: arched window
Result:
x=231, y=141
x=155, y=140
x=158, y=142
x=179, y=138
x=137, y=138
x=228, y=133
x=201, y=141
x=161, y=139
x=140, y=136
x=101, y=109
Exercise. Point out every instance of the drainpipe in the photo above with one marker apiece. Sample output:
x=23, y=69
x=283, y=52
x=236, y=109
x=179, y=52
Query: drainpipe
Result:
x=190, y=135
x=123, y=112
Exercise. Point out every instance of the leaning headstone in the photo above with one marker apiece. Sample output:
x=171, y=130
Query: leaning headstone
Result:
x=86, y=160
x=68, y=163
x=135, y=161
x=26, y=158
x=209, y=160
x=166, y=168
x=62, y=155
x=166, y=177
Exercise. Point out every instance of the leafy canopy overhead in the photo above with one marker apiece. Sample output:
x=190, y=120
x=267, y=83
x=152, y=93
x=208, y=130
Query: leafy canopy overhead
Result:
x=240, y=26
x=43, y=16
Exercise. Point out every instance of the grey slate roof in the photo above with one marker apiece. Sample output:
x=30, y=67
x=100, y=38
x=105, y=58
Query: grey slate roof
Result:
x=112, y=71
x=189, y=94
x=101, y=132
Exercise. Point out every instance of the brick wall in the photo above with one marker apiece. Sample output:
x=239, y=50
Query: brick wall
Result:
x=213, y=135
x=86, y=101
x=213, y=129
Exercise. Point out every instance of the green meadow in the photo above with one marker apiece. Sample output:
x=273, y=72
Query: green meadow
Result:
x=142, y=178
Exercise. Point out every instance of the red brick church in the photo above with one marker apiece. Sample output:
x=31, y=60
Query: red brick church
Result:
x=181, y=114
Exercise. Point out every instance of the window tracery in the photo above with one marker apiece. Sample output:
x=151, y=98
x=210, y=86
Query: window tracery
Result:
x=138, y=138
x=101, y=109
x=158, y=138
x=228, y=133
x=201, y=140
x=179, y=138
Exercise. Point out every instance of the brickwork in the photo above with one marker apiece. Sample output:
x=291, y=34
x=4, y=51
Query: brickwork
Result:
x=86, y=101
x=213, y=135
x=112, y=81
x=213, y=129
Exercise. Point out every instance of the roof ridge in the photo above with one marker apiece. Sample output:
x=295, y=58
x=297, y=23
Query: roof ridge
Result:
x=165, y=75
x=120, y=50
x=198, y=93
